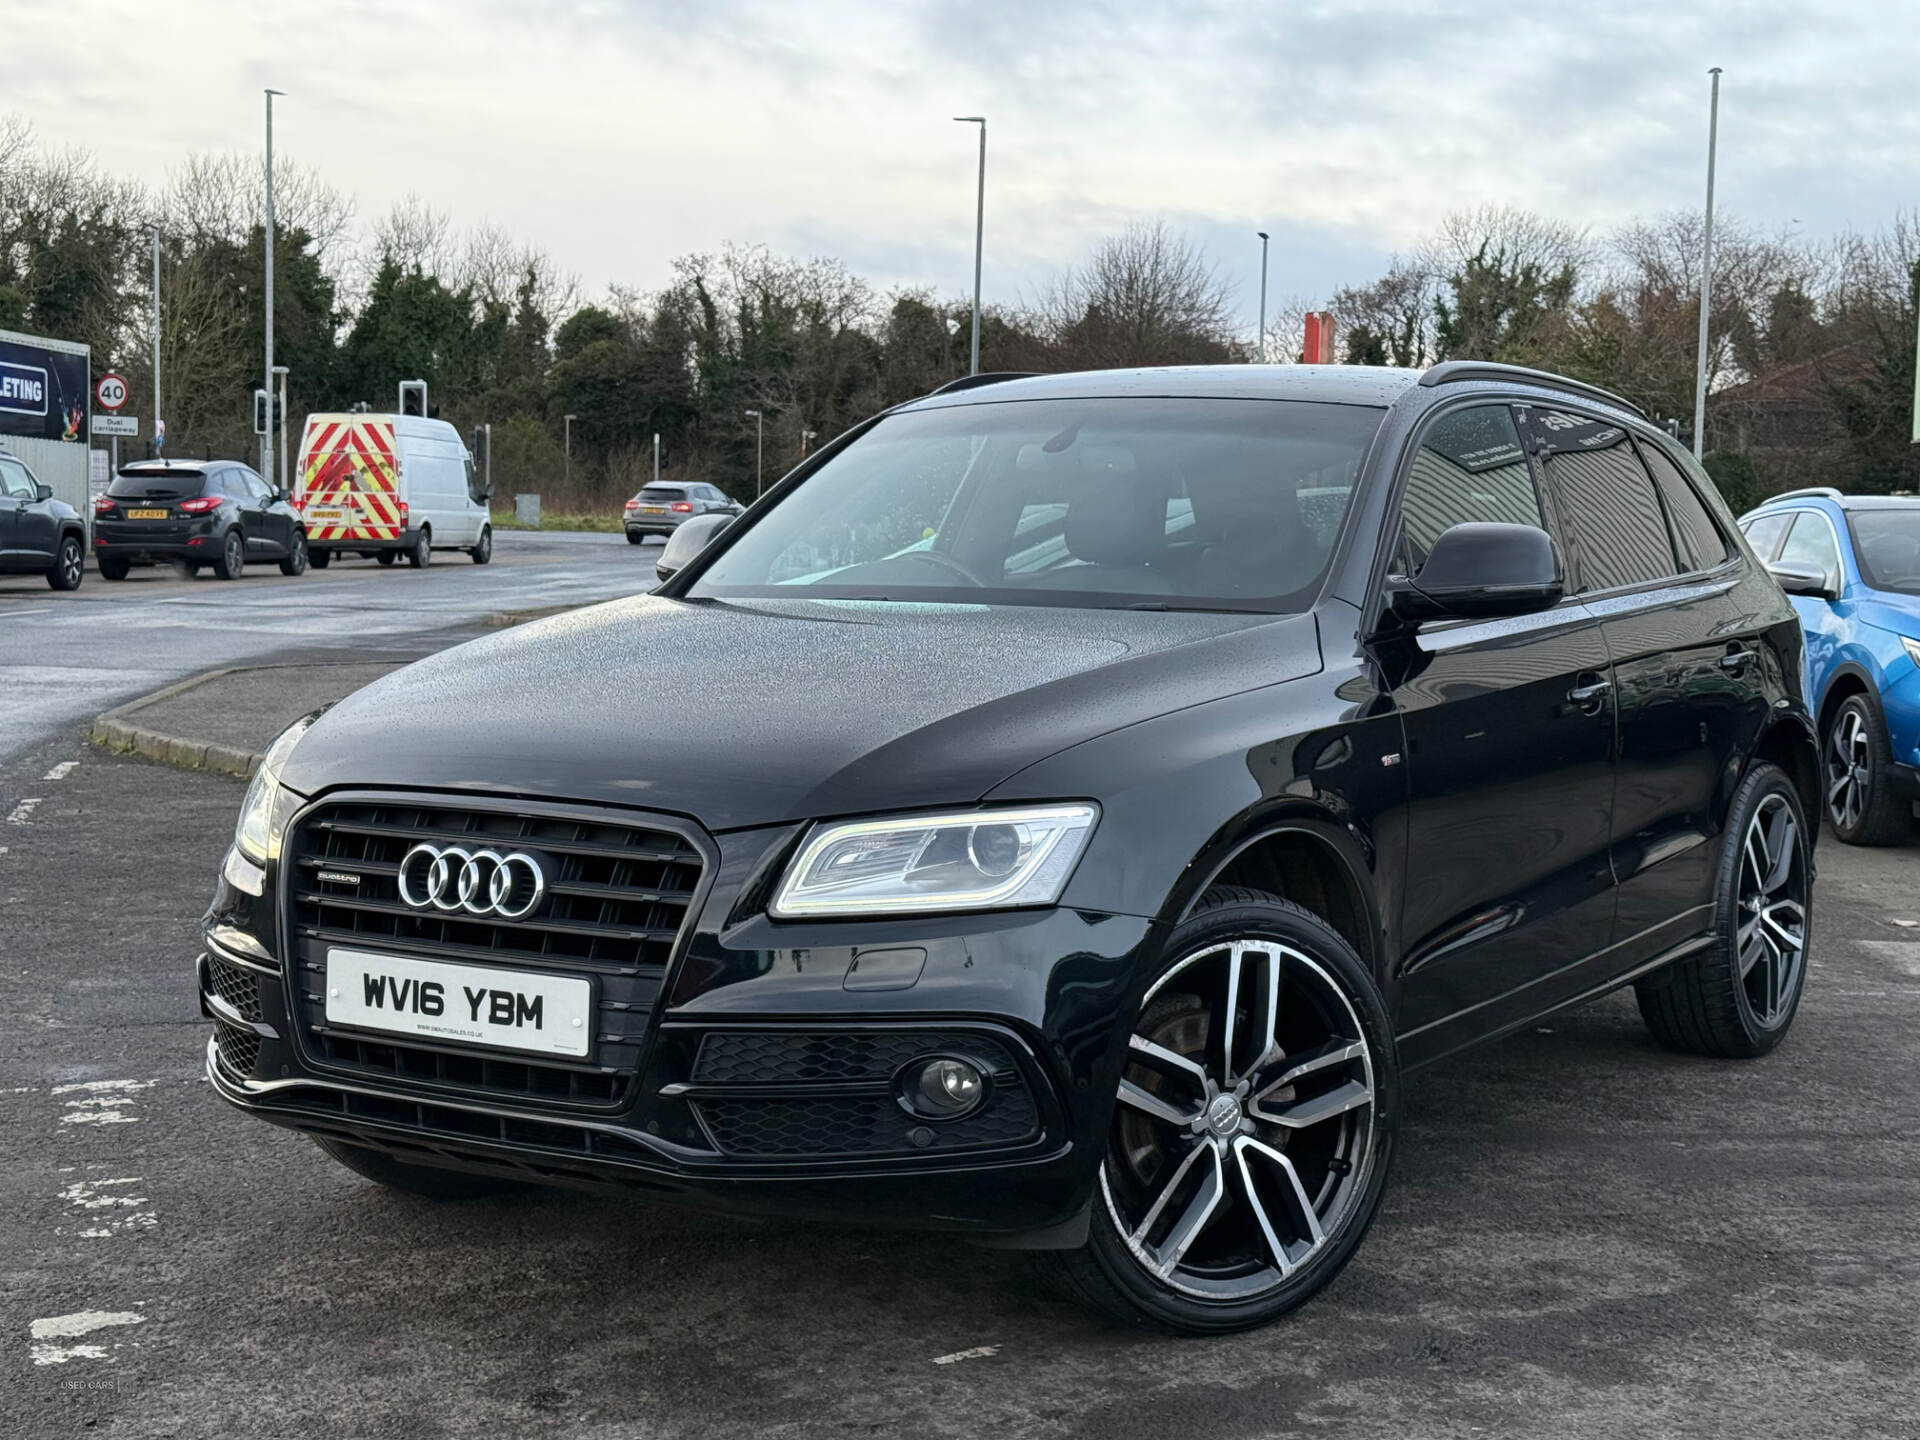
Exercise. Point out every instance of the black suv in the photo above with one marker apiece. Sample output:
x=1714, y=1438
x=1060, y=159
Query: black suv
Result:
x=217, y=513
x=39, y=535
x=1064, y=813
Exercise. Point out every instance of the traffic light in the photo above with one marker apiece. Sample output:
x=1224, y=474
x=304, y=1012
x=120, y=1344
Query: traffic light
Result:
x=263, y=417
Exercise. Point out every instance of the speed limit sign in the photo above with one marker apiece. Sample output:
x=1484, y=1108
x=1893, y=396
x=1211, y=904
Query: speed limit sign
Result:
x=111, y=391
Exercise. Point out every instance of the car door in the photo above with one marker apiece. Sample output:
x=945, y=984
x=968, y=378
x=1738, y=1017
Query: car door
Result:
x=1683, y=622
x=1825, y=624
x=1509, y=730
x=16, y=494
x=266, y=531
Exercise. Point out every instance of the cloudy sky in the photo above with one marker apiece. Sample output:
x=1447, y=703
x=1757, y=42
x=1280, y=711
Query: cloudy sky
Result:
x=620, y=133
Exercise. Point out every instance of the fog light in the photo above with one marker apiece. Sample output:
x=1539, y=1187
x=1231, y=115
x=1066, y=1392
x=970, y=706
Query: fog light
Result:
x=942, y=1088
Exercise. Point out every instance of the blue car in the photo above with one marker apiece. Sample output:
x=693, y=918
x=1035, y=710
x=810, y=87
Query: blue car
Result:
x=1852, y=565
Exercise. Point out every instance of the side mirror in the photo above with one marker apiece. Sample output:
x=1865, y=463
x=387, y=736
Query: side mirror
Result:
x=42, y=491
x=687, y=541
x=1796, y=577
x=1481, y=571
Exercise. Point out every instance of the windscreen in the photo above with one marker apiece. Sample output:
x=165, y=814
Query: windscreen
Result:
x=1887, y=543
x=156, y=485
x=1107, y=503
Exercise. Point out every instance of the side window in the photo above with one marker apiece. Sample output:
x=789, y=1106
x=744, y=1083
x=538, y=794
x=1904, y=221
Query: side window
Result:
x=1700, y=542
x=1469, y=467
x=1764, y=533
x=1811, y=543
x=14, y=480
x=1607, y=498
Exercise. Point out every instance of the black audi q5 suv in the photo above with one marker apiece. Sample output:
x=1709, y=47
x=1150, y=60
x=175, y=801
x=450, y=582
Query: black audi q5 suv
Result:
x=1066, y=813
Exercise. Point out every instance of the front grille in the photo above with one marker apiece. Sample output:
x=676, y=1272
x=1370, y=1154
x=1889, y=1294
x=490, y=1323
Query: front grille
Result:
x=823, y=1127
x=239, y=988
x=238, y=1049
x=620, y=893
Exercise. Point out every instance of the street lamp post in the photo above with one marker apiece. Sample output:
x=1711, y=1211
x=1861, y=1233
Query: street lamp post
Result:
x=759, y=447
x=281, y=371
x=1706, y=275
x=567, y=471
x=1262, y=348
x=266, y=440
x=158, y=429
x=979, y=230
x=805, y=436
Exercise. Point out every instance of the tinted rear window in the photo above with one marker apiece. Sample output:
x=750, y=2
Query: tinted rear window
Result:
x=663, y=492
x=137, y=485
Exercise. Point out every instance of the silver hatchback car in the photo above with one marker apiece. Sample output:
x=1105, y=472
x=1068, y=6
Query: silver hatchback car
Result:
x=662, y=509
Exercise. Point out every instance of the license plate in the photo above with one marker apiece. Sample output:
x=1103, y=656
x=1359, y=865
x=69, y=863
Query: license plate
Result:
x=146, y=514
x=653, y=509
x=473, y=1004
x=326, y=514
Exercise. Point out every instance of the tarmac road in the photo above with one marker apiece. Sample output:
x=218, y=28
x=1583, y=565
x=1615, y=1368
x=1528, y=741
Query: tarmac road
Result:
x=64, y=657
x=1585, y=1236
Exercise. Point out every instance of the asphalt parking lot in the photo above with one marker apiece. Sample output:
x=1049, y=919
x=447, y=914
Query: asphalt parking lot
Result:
x=65, y=657
x=1586, y=1236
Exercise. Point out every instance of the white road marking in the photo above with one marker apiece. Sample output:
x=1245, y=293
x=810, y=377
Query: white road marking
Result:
x=68, y=1327
x=978, y=1352
x=62, y=770
x=100, y=1102
x=122, y=1215
x=24, y=811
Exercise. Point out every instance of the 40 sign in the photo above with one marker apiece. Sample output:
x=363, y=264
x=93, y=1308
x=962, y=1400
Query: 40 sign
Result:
x=110, y=391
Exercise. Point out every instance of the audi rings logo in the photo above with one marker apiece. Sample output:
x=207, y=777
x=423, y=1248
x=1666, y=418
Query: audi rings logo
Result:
x=479, y=882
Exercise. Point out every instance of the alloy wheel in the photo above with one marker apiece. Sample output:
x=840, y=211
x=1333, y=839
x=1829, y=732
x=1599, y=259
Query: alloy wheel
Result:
x=1849, y=769
x=1245, y=1130
x=1773, y=911
x=72, y=562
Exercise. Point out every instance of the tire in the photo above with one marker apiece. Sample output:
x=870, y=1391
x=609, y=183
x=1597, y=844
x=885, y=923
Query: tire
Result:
x=69, y=564
x=296, y=563
x=1737, y=998
x=421, y=555
x=1168, y=1127
x=1854, y=756
x=387, y=557
x=233, y=557
x=319, y=559
x=113, y=569
x=422, y=1180
x=633, y=539
x=483, y=551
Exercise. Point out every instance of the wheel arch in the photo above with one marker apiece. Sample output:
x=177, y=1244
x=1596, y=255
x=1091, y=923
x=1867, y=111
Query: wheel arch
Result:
x=1849, y=678
x=1793, y=745
x=1302, y=855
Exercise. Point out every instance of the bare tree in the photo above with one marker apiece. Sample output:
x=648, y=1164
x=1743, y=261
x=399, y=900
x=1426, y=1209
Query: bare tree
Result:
x=1148, y=296
x=1389, y=322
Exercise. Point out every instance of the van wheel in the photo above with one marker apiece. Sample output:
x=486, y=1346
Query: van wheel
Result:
x=296, y=563
x=387, y=557
x=319, y=559
x=423, y=1180
x=69, y=565
x=421, y=555
x=483, y=552
x=233, y=557
x=1249, y=1145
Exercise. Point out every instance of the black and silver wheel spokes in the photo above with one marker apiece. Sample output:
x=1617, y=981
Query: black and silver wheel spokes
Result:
x=1245, y=1128
x=1848, y=769
x=1772, y=935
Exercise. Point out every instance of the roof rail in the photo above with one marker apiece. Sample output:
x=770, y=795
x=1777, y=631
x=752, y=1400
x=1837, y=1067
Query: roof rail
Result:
x=1447, y=372
x=985, y=377
x=1822, y=492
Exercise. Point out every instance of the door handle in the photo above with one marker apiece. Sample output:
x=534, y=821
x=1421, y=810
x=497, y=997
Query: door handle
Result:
x=1590, y=697
x=1734, y=661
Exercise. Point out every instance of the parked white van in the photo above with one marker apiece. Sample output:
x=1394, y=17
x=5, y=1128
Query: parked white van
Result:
x=384, y=486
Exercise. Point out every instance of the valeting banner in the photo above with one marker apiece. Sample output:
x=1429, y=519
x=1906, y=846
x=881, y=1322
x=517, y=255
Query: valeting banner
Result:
x=43, y=393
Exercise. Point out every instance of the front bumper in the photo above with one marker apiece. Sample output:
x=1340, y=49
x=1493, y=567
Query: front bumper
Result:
x=765, y=1082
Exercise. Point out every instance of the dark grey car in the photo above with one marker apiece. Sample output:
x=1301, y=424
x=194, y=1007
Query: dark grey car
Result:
x=39, y=535
x=662, y=509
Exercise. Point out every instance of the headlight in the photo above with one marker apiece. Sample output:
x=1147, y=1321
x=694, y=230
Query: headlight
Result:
x=977, y=860
x=1912, y=647
x=254, y=835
